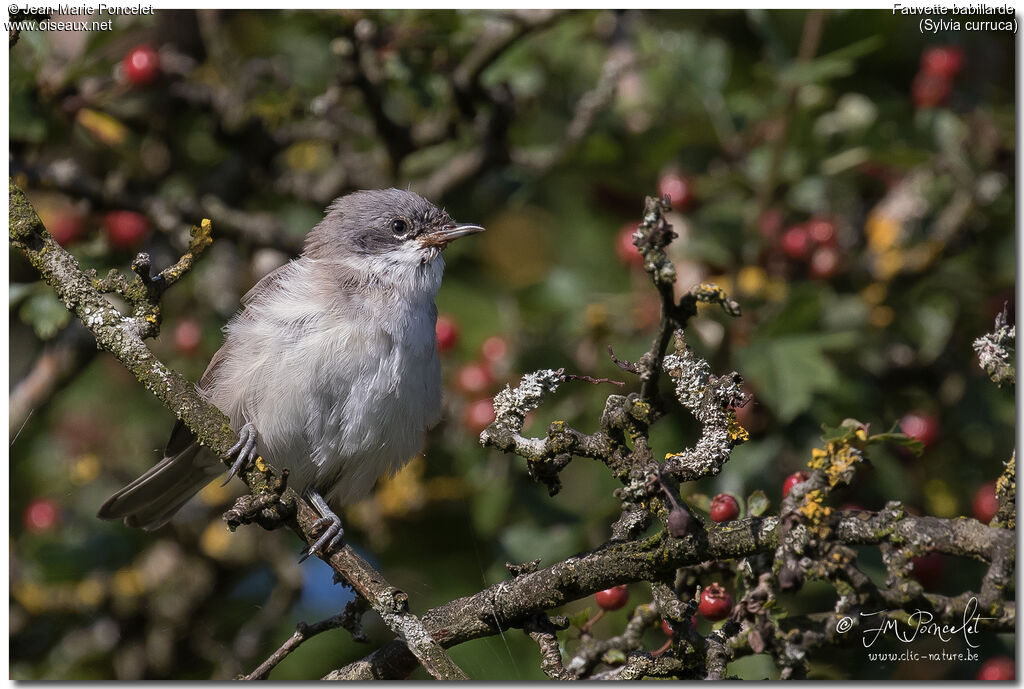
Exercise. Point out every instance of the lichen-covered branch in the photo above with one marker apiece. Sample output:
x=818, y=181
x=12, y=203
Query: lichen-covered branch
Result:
x=123, y=336
x=997, y=349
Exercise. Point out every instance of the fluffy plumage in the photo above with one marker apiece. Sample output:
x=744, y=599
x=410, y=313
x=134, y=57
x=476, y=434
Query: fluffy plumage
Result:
x=333, y=359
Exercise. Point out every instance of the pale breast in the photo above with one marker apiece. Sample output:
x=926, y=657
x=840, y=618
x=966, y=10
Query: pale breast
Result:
x=339, y=392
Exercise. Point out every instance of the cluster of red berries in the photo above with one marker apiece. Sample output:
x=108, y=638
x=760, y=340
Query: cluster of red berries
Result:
x=124, y=230
x=475, y=378
x=811, y=243
x=934, y=81
x=715, y=602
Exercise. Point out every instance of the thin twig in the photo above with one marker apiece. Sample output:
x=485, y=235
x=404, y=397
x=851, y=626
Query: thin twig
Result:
x=588, y=379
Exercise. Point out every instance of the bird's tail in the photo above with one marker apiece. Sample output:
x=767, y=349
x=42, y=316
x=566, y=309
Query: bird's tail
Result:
x=151, y=500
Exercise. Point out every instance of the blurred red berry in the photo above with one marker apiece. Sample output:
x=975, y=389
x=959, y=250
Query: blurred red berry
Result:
x=41, y=515
x=141, y=65
x=125, y=229
x=678, y=188
x=494, y=348
x=474, y=377
x=769, y=223
x=921, y=426
x=724, y=508
x=796, y=243
x=478, y=415
x=715, y=603
x=66, y=228
x=824, y=262
x=985, y=503
x=624, y=247
x=792, y=480
x=930, y=90
x=613, y=598
x=447, y=333
x=942, y=61
x=999, y=669
x=928, y=569
x=821, y=230
x=187, y=336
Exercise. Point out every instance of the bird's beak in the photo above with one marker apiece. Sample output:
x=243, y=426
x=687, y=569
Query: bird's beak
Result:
x=441, y=237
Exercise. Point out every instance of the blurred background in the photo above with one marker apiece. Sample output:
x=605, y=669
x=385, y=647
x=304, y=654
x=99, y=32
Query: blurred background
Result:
x=847, y=179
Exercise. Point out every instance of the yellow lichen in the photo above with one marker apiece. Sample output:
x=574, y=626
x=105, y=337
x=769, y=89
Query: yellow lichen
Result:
x=737, y=433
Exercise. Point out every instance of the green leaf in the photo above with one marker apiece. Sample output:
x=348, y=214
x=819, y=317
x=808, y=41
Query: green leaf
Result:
x=699, y=501
x=44, y=312
x=580, y=618
x=787, y=371
x=846, y=430
x=614, y=656
x=899, y=440
x=757, y=503
x=17, y=291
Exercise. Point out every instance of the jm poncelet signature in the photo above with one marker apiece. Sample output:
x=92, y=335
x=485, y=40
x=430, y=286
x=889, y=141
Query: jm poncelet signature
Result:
x=919, y=623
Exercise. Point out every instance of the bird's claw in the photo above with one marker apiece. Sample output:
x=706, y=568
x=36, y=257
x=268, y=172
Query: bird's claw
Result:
x=333, y=532
x=244, y=451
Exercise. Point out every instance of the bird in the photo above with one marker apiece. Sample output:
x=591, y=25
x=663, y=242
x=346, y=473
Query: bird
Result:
x=330, y=369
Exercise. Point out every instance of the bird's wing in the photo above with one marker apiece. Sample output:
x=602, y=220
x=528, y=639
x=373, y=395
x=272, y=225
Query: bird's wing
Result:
x=267, y=282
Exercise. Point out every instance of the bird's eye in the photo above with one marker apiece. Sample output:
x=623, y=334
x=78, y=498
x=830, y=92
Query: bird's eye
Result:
x=399, y=226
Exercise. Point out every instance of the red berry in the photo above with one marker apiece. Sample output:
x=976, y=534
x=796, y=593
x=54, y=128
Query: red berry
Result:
x=796, y=243
x=792, y=480
x=624, y=247
x=474, y=377
x=613, y=598
x=999, y=669
x=715, y=603
x=942, y=61
x=187, y=336
x=824, y=262
x=678, y=188
x=985, y=504
x=930, y=90
x=478, y=415
x=724, y=508
x=447, y=333
x=928, y=569
x=41, y=515
x=494, y=348
x=125, y=229
x=66, y=228
x=921, y=426
x=141, y=65
x=821, y=230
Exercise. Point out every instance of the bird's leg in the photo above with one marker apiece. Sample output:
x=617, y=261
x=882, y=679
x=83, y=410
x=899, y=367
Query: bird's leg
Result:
x=333, y=532
x=244, y=450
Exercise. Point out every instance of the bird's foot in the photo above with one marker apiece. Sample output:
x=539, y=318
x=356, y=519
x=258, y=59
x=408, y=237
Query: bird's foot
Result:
x=330, y=522
x=244, y=450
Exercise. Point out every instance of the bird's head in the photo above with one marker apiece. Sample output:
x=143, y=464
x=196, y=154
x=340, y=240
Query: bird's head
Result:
x=384, y=229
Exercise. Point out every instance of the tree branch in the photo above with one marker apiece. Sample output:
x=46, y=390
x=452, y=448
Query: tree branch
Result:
x=123, y=336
